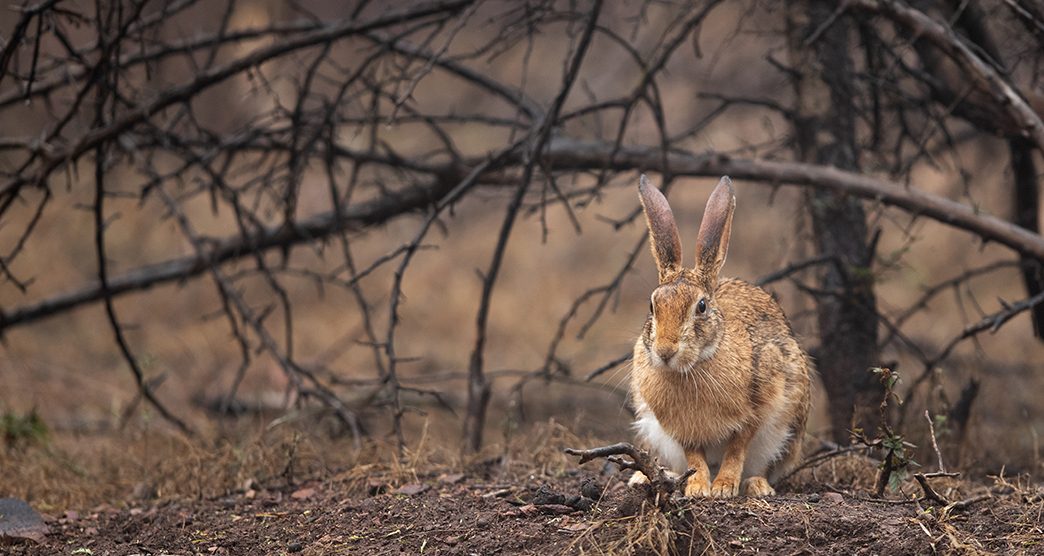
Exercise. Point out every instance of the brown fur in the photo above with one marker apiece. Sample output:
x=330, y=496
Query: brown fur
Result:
x=715, y=378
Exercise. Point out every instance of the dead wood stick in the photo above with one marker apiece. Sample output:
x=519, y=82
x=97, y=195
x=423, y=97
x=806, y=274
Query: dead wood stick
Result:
x=662, y=483
x=935, y=444
x=929, y=492
x=965, y=504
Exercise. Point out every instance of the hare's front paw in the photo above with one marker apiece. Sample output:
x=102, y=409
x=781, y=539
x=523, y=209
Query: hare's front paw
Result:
x=697, y=487
x=725, y=487
x=757, y=486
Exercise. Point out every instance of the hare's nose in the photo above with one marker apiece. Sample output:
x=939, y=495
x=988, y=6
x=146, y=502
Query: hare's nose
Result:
x=666, y=352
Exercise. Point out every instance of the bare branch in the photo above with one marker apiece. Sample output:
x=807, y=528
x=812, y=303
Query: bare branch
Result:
x=945, y=39
x=662, y=484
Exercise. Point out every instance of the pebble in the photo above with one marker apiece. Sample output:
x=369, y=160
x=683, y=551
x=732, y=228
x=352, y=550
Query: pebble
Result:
x=591, y=489
x=451, y=479
x=412, y=489
x=833, y=498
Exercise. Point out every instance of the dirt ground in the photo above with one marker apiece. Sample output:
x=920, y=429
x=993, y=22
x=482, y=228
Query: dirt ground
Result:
x=490, y=508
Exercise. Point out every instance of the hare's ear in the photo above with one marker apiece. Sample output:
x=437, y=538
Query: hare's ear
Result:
x=712, y=245
x=663, y=233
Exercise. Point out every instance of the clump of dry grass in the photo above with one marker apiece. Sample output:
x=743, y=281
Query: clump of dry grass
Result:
x=850, y=471
x=118, y=468
x=135, y=465
x=649, y=531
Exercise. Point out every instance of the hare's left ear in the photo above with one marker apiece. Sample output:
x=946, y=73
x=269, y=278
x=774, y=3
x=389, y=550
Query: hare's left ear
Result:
x=712, y=244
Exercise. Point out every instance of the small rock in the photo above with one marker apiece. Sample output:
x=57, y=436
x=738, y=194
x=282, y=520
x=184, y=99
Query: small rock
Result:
x=546, y=496
x=482, y=522
x=632, y=503
x=735, y=544
x=136, y=511
x=412, y=489
x=250, y=494
x=591, y=489
x=833, y=498
x=20, y=522
x=557, y=509
x=303, y=494
x=814, y=497
x=452, y=541
x=451, y=479
x=583, y=504
x=529, y=510
x=294, y=546
x=72, y=516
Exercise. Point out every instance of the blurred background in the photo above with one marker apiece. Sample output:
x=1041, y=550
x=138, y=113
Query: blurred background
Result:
x=267, y=183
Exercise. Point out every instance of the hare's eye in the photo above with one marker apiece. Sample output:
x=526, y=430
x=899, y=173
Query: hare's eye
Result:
x=701, y=306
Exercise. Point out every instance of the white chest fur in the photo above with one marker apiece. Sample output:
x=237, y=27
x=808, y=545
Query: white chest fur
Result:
x=765, y=448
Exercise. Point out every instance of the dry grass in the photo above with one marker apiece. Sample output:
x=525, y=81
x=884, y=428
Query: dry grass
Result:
x=83, y=472
x=150, y=468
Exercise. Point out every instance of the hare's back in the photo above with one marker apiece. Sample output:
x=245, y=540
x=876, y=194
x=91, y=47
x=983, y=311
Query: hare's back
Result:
x=752, y=305
x=754, y=318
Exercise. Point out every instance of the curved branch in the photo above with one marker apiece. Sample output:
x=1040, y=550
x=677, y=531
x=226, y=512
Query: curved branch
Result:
x=575, y=155
x=561, y=154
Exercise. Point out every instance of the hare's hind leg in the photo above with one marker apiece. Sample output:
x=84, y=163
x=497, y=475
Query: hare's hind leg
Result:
x=757, y=486
x=791, y=458
x=730, y=474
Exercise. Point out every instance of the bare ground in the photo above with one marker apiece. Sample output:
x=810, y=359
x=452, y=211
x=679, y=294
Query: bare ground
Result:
x=489, y=509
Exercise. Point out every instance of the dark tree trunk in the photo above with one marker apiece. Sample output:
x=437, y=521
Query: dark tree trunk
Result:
x=825, y=133
x=1027, y=208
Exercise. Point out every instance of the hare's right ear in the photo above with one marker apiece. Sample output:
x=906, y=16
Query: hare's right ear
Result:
x=663, y=233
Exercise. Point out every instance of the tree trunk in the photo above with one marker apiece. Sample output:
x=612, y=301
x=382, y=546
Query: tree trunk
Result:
x=1027, y=207
x=825, y=133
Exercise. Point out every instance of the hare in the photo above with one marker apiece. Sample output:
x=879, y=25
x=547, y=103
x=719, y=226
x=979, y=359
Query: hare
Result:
x=718, y=378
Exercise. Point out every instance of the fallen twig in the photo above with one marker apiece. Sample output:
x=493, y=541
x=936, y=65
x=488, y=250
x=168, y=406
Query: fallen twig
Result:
x=929, y=492
x=662, y=483
x=964, y=504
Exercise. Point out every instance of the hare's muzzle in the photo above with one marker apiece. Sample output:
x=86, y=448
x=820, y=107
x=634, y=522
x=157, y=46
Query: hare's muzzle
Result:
x=666, y=352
